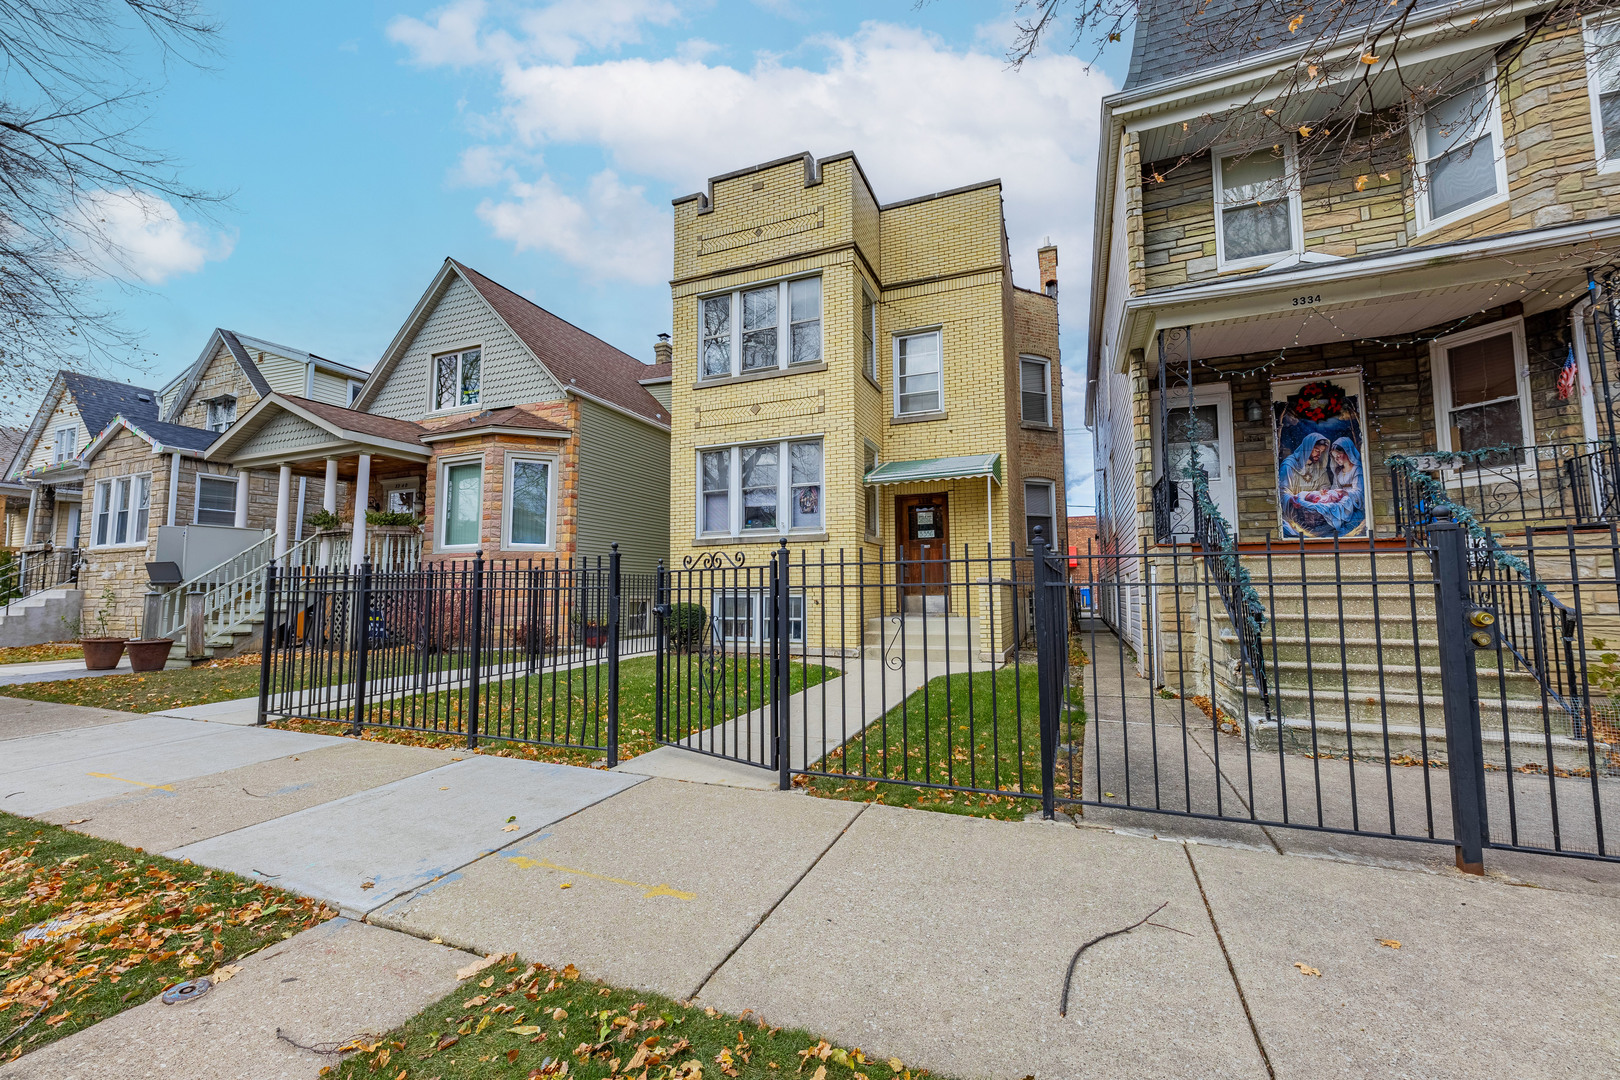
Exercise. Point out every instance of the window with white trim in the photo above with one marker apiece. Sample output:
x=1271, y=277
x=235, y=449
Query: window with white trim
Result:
x=1481, y=383
x=354, y=391
x=457, y=379
x=221, y=413
x=402, y=496
x=1040, y=508
x=216, y=500
x=1459, y=150
x=1602, y=38
x=918, y=385
x=528, y=501
x=461, y=502
x=745, y=616
x=66, y=445
x=1035, y=390
x=1256, y=201
x=765, y=328
x=122, y=508
x=760, y=488
x=869, y=338
x=868, y=464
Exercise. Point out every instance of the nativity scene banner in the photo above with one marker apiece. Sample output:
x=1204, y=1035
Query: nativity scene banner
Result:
x=1321, y=444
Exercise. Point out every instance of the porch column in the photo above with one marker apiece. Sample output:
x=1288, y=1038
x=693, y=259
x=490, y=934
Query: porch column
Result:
x=243, y=481
x=362, y=486
x=283, y=497
x=33, y=516
x=329, y=504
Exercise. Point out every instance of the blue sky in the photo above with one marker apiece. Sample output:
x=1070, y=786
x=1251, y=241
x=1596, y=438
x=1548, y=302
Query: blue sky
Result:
x=541, y=143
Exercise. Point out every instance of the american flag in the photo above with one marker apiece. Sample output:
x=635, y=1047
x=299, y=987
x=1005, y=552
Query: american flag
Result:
x=1567, y=377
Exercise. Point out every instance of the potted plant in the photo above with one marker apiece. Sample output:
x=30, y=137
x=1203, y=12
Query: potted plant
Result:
x=148, y=654
x=324, y=521
x=102, y=652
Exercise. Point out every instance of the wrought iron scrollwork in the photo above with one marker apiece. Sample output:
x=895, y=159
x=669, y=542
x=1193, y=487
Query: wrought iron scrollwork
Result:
x=714, y=560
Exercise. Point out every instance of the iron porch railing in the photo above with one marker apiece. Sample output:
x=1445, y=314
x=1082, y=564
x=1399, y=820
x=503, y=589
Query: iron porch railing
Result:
x=1555, y=483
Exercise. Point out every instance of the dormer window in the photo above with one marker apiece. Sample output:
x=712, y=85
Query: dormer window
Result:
x=457, y=379
x=221, y=413
x=1258, y=209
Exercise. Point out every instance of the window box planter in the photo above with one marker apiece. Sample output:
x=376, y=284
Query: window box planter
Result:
x=102, y=653
x=148, y=654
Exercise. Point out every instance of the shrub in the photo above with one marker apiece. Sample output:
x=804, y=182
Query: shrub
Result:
x=390, y=517
x=687, y=625
x=324, y=521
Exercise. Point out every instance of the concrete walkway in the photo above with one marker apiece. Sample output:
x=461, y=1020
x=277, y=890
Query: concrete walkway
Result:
x=54, y=670
x=939, y=939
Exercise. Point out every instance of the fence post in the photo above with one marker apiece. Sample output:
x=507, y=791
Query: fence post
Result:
x=1051, y=653
x=780, y=667
x=660, y=610
x=362, y=605
x=1459, y=688
x=267, y=642
x=475, y=668
x=613, y=657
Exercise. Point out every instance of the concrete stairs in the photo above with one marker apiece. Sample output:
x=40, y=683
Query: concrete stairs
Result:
x=1351, y=651
x=47, y=615
x=941, y=639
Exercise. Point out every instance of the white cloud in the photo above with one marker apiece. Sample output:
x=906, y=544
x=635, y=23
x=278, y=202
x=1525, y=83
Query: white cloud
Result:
x=452, y=38
x=556, y=32
x=612, y=230
x=138, y=234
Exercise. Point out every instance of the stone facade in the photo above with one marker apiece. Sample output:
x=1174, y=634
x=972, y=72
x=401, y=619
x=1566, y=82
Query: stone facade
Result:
x=222, y=377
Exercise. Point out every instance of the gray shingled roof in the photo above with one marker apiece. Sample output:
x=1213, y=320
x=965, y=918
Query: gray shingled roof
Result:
x=99, y=400
x=176, y=436
x=1179, y=37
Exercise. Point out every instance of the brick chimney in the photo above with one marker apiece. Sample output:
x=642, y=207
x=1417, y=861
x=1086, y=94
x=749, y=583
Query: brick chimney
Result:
x=664, y=352
x=1048, y=256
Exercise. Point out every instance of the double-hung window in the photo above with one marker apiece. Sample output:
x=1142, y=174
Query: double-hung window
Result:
x=528, y=501
x=869, y=360
x=1602, y=39
x=67, y=444
x=918, y=386
x=745, y=616
x=457, y=379
x=221, y=413
x=1040, y=504
x=1257, y=201
x=761, y=488
x=1034, y=390
x=123, y=506
x=1481, y=379
x=216, y=500
x=1459, y=151
x=461, y=502
x=766, y=328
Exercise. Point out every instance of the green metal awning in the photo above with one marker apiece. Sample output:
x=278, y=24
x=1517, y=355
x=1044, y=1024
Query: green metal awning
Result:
x=941, y=468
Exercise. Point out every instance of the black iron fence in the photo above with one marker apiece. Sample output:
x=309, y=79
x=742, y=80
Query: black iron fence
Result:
x=1574, y=482
x=1399, y=697
x=25, y=573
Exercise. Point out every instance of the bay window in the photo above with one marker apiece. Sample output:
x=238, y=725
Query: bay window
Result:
x=918, y=388
x=1459, y=152
x=461, y=486
x=216, y=500
x=122, y=511
x=528, y=501
x=1256, y=203
x=744, y=489
x=457, y=379
x=765, y=328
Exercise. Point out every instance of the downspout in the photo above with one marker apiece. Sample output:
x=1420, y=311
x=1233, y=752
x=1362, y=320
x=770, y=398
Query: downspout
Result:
x=174, y=486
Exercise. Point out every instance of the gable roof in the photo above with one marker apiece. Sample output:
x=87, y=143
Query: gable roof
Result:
x=657, y=373
x=98, y=401
x=241, y=347
x=358, y=431
x=510, y=418
x=581, y=362
x=263, y=346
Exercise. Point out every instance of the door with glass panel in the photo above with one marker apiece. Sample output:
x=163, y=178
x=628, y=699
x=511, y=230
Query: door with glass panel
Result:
x=923, y=574
x=1199, y=435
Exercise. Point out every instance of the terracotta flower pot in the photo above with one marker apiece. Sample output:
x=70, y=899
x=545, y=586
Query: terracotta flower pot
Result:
x=102, y=653
x=149, y=654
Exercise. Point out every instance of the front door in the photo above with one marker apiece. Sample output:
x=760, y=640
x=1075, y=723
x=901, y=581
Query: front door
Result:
x=922, y=523
x=1201, y=435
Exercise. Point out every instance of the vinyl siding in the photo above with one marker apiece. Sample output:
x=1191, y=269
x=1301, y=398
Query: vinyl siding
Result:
x=65, y=413
x=622, y=491
x=460, y=320
x=661, y=394
x=285, y=375
x=330, y=388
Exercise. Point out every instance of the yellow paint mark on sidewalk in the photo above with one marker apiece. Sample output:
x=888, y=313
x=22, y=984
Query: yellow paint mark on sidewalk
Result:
x=137, y=783
x=526, y=863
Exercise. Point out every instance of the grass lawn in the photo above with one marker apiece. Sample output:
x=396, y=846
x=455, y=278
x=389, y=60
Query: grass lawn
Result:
x=217, y=680
x=112, y=927
x=562, y=705
x=526, y=1020
x=977, y=730
x=34, y=654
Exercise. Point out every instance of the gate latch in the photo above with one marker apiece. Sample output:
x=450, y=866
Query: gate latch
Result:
x=1483, y=620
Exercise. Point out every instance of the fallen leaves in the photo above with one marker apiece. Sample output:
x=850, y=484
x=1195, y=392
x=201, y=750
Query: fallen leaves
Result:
x=1306, y=969
x=510, y=828
x=1389, y=943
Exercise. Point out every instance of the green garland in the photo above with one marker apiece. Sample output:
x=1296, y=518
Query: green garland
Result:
x=1434, y=494
x=1254, y=609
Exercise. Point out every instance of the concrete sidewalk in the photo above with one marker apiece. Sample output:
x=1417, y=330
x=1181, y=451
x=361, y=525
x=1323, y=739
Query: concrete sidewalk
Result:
x=939, y=939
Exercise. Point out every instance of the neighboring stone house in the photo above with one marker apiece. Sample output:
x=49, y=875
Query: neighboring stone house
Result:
x=510, y=431
x=857, y=376
x=1433, y=308
x=14, y=492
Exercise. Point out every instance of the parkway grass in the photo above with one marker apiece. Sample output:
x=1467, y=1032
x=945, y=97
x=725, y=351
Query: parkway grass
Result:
x=89, y=928
x=528, y=1021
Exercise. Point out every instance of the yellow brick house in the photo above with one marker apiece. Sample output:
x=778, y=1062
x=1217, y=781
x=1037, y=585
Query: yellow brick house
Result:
x=860, y=378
